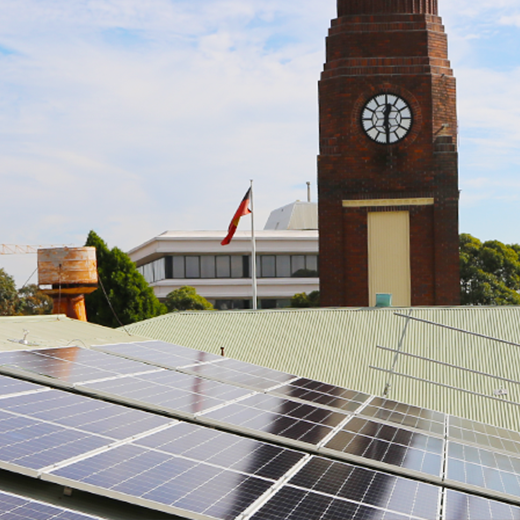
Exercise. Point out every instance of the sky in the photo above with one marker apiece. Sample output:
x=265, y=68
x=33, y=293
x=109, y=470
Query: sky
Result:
x=133, y=117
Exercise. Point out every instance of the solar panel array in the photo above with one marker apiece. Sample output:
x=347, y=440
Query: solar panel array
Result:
x=260, y=444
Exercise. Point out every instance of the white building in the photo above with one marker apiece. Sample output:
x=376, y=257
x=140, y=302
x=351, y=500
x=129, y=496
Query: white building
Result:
x=287, y=261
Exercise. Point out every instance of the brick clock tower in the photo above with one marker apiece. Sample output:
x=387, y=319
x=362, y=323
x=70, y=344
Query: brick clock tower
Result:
x=387, y=169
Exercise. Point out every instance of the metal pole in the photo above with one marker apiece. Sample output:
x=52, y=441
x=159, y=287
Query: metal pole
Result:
x=388, y=385
x=476, y=334
x=253, y=252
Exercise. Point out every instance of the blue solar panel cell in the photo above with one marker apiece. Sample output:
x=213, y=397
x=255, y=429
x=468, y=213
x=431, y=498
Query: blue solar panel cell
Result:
x=293, y=503
x=484, y=468
x=36, y=363
x=323, y=394
x=168, y=480
x=171, y=390
x=242, y=374
x=35, y=444
x=91, y=358
x=202, y=364
x=14, y=507
x=71, y=364
x=369, y=487
x=89, y=415
x=224, y=449
x=462, y=506
x=281, y=417
x=385, y=443
x=484, y=435
x=405, y=415
x=159, y=352
x=9, y=386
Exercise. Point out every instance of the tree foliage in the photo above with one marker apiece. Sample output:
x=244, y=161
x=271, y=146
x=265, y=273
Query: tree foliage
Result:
x=31, y=301
x=489, y=272
x=8, y=294
x=303, y=300
x=131, y=297
x=186, y=299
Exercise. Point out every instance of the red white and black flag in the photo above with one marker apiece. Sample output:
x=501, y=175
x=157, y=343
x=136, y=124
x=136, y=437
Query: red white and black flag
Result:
x=242, y=210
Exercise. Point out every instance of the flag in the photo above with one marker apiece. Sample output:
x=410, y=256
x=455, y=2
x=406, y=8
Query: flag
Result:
x=242, y=210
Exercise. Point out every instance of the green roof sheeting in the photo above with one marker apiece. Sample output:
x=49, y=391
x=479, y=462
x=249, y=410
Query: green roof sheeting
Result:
x=339, y=346
x=55, y=331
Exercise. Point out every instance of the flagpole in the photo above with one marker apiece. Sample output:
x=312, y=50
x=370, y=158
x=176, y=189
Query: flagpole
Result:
x=253, y=252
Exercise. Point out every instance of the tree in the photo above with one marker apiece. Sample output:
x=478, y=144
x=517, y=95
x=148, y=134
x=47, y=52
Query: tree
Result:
x=489, y=272
x=130, y=296
x=186, y=299
x=31, y=301
x=8, y=294
x=303, y=300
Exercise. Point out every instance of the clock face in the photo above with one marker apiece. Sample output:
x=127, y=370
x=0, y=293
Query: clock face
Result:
x=386, y=118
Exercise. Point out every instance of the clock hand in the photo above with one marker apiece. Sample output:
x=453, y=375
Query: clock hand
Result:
x=386, y=124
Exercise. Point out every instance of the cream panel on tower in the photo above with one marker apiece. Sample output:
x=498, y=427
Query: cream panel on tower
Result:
x=389, y=256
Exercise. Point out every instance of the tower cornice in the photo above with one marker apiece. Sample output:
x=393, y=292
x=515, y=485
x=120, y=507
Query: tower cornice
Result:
x=374, y=7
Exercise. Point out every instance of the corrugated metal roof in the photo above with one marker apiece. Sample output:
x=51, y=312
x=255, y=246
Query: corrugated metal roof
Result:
x=56, y=331
x=339, y=346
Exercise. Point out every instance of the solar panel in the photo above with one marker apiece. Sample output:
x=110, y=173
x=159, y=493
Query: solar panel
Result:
x=165, y=482
x=171, y=391
x=160, y=352
x=11, y=386
x=202, y=364
x=29, y=445
x=15, y=507
x=328, y=490
x=70, y=364
x=389, y=444
x=185, y=467
x=322, y=394
x=224, y=449
x=463, y=506
x=484, y=435
x=406, y=415
x=484, y=468
x=83, y=413
x=279, y=417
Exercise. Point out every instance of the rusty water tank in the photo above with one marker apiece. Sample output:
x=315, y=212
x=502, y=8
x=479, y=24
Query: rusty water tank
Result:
x=67, y=274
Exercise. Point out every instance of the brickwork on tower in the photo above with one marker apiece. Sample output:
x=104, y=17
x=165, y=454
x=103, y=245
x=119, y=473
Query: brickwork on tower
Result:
x=397, y=47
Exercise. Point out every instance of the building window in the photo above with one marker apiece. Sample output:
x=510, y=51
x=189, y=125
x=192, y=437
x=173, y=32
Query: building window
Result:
x=154, y=271
x=207, y=266
x=237, y=266
x=223, y=267
x=287, y=266
x=229, y=266
x=178, y=267
x=226, y=305
x=192, y=266
x=297, y=264
x=268, y=266
x=283, y=266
